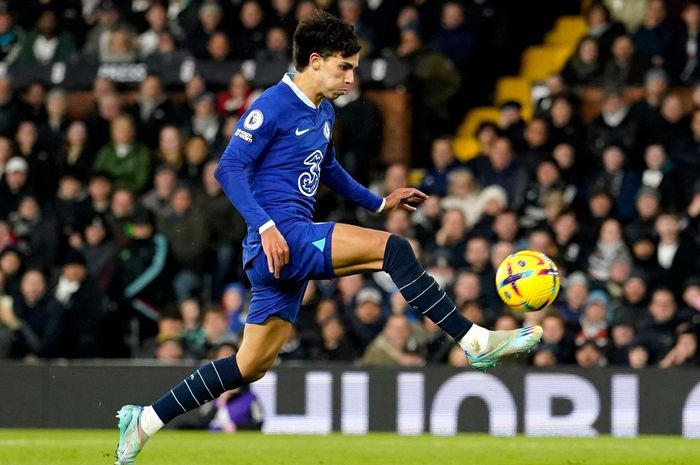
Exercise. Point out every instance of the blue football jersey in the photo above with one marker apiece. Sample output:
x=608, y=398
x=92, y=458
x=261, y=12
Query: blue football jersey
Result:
x=281, y=144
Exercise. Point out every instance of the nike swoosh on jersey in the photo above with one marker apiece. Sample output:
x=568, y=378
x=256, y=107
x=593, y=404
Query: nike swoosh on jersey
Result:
x=300, y=132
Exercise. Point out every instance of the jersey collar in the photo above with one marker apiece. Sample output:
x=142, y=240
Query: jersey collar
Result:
x=287, y=79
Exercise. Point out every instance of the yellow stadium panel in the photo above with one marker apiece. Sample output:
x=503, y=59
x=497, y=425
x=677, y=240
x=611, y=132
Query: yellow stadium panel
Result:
x=567, y=31
x=475, y=117
x=513, y=88
x=465, y=148
x=540, y=61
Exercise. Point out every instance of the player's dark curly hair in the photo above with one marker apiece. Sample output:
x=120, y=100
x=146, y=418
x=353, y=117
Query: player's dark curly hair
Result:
x=324, y=34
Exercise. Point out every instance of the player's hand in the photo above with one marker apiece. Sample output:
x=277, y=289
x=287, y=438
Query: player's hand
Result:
x=403, y=198
x=276, y=250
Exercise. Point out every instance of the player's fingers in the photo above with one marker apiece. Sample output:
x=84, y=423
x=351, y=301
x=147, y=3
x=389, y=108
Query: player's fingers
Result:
x=286, y=254
x=277, y=264
x=270, y=266
x=408, y=207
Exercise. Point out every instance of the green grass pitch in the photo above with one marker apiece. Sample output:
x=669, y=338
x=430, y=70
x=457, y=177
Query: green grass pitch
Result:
x=93, y=447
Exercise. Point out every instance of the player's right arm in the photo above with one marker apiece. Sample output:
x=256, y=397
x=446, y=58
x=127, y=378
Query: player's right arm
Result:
x=251, y=138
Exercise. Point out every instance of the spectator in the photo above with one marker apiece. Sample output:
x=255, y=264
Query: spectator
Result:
x=74, y=157
x=615, y=125
x=100, y=191
x=432, y=81
x=153, y=110
x=395, y=346
x=100, y=252
x=234, y=306
x=621, y=337
x=660, y=173
x=463, y=194
x=334, y=344
x=647, y=209
x=675, y=254
x=682, y=62
x=41, y=317
x=45, y=43
x=187, y=232
x=443, y=162
x=501, y=169
x=158, y=199
x=609, y=248
x=37, y=234
x=250, y=38
x=350, y=11
x=14, y=185
x=646, y=110
x=367, y=320
x=621, y=183
x=654, y=34
x=170, y=149
x=583, y=68
x=237, y=98
x=98, y=38
x=204, y=121
x=124, y=158
x=276, y=47
x=590, y=355
x=11, y=110
x=52, y=132
x=196, y=157
x=85, y=332
x=659, y=327
x=638, y=355
x=625, y=67
x=454, y=39
x=282, y=16
x=684, y=352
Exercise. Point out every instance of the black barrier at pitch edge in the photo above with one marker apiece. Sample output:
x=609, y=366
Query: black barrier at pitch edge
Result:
x=437, y=400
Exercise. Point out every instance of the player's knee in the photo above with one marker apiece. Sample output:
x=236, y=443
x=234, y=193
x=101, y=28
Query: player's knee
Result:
x=398, y=253
x=255, y=369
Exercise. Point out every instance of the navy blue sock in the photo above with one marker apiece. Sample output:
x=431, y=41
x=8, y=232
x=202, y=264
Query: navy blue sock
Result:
x=204, y=385
x=420, y=289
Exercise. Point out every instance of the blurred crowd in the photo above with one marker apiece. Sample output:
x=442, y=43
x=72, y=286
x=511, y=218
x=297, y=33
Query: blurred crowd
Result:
x=116, y=240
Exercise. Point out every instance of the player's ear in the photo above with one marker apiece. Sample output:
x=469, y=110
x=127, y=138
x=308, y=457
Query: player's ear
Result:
x=315, y=60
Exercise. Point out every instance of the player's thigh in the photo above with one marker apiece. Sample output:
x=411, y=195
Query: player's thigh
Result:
x=260, y=345
x=357, y=250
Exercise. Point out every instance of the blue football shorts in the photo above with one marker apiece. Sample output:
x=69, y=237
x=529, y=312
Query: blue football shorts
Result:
x=310, y=258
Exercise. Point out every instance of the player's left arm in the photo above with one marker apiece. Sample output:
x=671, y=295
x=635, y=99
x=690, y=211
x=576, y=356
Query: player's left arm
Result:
x=334, y=176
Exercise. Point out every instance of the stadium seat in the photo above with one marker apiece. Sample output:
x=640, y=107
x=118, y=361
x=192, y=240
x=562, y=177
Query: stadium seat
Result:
x=475, y=117
x=568, y=31
x=542, y=60
x=465, y=148
x=513, y=88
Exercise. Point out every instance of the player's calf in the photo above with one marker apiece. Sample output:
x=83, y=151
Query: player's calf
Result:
x=422, y=292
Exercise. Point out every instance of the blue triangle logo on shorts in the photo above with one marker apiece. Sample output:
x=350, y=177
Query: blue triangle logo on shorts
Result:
x=320, y=244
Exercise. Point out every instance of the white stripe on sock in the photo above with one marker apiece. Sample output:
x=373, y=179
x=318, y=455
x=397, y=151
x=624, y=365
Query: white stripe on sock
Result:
x=192, y=393
x=217, y=375
x=444, y=294
x=205, y=385
x=178, y=402
x=403, y=287
x=448, y=314
x=426, y=290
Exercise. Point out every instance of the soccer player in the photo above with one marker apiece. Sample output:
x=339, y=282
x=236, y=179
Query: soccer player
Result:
x=280, y=151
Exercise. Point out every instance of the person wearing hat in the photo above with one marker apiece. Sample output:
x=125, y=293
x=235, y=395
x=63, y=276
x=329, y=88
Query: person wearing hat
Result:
x=594, y=321
x=86, y=332
x=367, y=319
x=14, y=185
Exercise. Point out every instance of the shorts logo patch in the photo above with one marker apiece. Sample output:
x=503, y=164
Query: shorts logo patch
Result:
x=246, y=136
x=320, y=244
x=254, y=120
x=327, y=130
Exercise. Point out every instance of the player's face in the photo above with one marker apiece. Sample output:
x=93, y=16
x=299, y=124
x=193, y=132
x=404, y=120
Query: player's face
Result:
x=336, y=75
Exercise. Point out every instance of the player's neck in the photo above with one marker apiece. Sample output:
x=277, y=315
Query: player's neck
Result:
x=306, y=84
